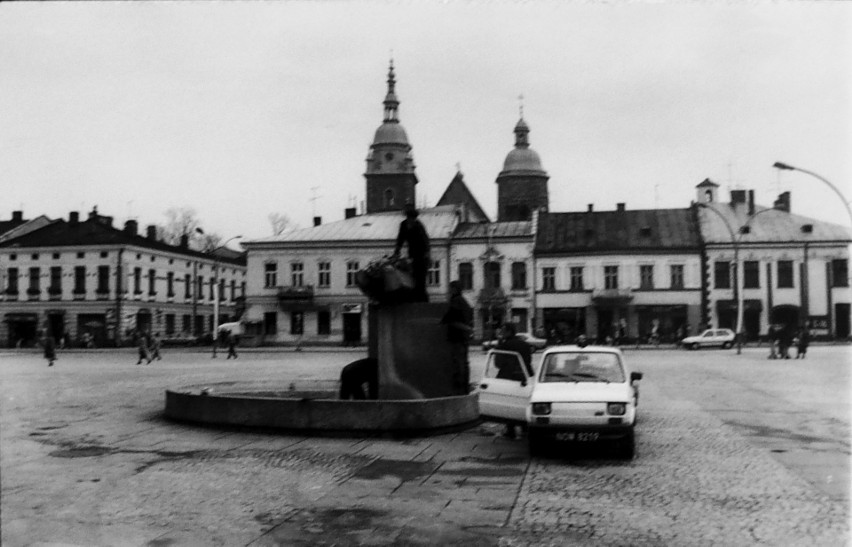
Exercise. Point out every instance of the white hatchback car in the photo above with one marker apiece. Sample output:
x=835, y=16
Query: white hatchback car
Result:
x=723, y=338
x=572, y=394
x=535, y=342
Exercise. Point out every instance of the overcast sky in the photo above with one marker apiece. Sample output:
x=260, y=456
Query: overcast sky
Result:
x=243, y=109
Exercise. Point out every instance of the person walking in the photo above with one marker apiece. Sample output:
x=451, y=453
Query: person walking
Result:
x=459, y=321
x=413, y=233
x=509, y=341
x=142, y=344
x=772, y=338
x=232, y=345
x=49, y=349
x=156, y=344
x=804, y=341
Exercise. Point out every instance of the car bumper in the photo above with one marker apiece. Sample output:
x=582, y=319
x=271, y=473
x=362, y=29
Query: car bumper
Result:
x=580, y=433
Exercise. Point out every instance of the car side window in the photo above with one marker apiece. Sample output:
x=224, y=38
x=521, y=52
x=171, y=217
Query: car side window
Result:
x=505, y=365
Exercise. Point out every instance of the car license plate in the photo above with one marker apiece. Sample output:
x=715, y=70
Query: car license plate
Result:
x=583, y=437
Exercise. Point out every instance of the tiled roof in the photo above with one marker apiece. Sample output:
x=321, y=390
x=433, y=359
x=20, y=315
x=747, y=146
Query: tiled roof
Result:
x=610, y=231
x=471, y=230
x=93, y=233
x=767, y=226
x=438, y=221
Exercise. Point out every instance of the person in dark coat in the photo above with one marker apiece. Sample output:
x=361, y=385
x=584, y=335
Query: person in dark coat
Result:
x=143, y=346
x=232, y=345
x=459, y=321
x=49, y=349
x=785, y=340
x=413, y=233
x=509, y=341
x=355, y=375
x=804, y=341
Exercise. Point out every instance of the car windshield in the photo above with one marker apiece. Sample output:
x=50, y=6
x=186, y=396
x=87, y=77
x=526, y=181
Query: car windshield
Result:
x=576, y=366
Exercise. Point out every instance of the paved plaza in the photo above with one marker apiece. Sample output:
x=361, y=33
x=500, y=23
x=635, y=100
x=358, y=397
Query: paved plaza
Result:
x=731, y=450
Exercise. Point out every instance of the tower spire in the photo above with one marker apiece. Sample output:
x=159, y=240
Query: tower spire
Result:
x=391, y=102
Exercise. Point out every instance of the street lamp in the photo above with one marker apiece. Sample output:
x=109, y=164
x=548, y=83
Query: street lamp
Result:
x=787, y=167
x=216, y=294
x=736, y=240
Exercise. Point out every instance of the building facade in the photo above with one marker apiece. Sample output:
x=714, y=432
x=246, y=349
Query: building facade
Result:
x=84, y=280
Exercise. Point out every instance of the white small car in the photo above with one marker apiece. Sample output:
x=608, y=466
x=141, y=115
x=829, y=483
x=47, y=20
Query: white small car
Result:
x=573, y=394
x=535, y=342
x=723, y=338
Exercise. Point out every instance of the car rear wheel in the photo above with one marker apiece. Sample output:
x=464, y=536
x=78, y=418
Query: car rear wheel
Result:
x=536, y=443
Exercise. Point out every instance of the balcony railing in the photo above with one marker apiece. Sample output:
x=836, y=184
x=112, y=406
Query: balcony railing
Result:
x=612, y=295
x=296, y=294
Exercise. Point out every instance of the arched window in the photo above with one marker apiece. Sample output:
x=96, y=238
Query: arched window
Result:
x=390, y=198
x=709, y=195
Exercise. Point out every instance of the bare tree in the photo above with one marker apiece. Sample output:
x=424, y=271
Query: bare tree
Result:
x=180, y=221
x=208, y=242
x=280, y=223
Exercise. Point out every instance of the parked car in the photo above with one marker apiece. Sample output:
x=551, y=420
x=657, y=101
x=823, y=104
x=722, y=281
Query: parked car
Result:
x=534, y=341
x=723, y=338
x=571, y=395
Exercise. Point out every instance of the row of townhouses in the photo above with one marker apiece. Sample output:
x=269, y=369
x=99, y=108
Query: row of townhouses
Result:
x=603, y=274
x=88, y=283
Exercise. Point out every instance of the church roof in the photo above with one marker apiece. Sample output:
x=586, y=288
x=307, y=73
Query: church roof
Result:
x=458, y=193
x=438, y=221
x=522, y=160
x=632, y=231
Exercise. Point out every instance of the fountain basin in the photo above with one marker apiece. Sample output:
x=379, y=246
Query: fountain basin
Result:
x=316, y=409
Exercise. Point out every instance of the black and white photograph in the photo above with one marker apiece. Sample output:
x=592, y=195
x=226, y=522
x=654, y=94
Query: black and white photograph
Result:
x=425, y=273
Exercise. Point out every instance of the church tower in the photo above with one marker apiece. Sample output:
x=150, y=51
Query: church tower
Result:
x=522, y=184
x=390, y=165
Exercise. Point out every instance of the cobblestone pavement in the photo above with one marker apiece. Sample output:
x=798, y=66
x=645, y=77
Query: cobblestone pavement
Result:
x=731, y=450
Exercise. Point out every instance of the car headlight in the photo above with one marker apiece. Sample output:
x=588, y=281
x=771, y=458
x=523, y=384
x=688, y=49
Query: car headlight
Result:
x=541, y=409
x=616, y=409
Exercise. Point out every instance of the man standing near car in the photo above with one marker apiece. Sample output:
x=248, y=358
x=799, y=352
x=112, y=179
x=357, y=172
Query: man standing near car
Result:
x=459, y=321
x=509, y=341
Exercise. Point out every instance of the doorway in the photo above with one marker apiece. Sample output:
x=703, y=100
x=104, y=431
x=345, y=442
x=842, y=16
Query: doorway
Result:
x=351, y=329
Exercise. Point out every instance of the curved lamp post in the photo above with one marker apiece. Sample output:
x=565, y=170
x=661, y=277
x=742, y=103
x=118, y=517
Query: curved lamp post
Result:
x=736, y=239
x=787, y=167
x=216, y=294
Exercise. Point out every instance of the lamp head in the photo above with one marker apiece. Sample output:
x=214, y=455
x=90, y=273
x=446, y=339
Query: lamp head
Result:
x=783, y=166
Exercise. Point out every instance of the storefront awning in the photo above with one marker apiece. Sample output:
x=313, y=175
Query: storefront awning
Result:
x=731, y=305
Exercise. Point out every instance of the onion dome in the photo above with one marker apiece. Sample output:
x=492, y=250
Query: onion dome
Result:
x=522, y=159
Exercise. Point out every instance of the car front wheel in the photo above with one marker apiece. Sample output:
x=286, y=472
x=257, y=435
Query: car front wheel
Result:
x=694, y=345
x=727, y=345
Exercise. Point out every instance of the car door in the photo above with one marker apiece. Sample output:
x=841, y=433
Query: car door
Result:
x=504, y=391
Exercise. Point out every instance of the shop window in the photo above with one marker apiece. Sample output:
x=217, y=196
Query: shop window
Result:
x=323, y=322
x=270, y=323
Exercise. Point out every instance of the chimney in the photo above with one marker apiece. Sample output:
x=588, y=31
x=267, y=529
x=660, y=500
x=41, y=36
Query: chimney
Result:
x=619, y=207
x=349, y=212
x=738, y=196
x=783, y=202
x=74, y=217
x=184, y=241
x=17, y=216
x=131, y=227
x=152, y=232
x=591, y=208
x=751, y=202
x=317, y=221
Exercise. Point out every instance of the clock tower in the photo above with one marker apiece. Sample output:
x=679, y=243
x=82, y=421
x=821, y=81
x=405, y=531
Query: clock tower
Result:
x=390, y=165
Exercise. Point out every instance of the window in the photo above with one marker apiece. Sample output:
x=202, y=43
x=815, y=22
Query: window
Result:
x=81, y=255
x=103, y=279
x=104, y=254
x=55, y=256
x=297, y=274
x=13, y=256
x=548, y=278
x=35, y=285
x=323, y=322
x=187, y=288
x=170, y=284
x=722, y=275
x=390, y=199
x=610, y=277
x=199, y=289
x=785, y=274
x=466, y=276
x=751, y=274
x=243, y=289
x=646, y=276
x=212, y=288
x=233, y=290
x=324, y=279
x=297, y=323
x=221, y=295
x=519, y=275
x=79, y=280
x=12, y=281
x=186, y=323
x=270, y=322
x=170, y=324
x=137, y=280
x=433, y=274
x=576, y=278
x=491, y=275
x=55, y=280
x=152, y=282
x=839, y=272
x=351, y=269
x=35, y=256
x=676, y=276
x=270, y=270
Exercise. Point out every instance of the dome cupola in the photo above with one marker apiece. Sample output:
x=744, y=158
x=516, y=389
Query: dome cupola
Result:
x=522, y=184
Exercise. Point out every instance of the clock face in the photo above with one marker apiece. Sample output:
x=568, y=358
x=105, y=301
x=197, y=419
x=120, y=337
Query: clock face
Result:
x=389, y=156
